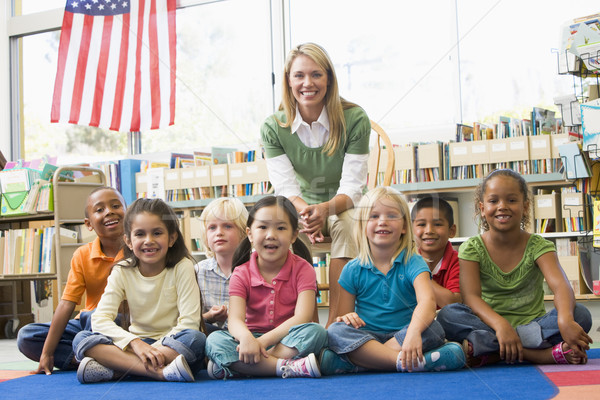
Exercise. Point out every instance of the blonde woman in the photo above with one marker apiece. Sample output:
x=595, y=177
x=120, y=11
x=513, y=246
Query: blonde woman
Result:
x=317, y=148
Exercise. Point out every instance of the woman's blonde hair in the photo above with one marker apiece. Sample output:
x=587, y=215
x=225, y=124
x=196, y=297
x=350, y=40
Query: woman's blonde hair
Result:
x=225, y=209
x=334, y=103
x=362, y=214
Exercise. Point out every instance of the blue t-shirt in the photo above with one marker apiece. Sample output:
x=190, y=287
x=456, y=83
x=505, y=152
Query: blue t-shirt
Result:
x=385, y=302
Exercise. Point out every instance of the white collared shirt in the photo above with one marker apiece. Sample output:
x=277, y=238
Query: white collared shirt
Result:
x=281, y=171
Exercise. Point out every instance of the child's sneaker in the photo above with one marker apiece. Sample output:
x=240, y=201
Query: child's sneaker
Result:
x=91, y=371
x=448, y=357
x=306, y=367
x=178, y=370
x=330, y=363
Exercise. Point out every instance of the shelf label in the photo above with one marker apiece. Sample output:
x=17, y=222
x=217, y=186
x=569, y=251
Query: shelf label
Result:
x=460, y=150
x=201, y=173
x=187, y=174
x=544, y=203
x=218, y=171
x=235, y=173
x=538, y=144
x=572, y=201
x=498, y=147
x=478, y=149
x=252, y=169
x=517, y=145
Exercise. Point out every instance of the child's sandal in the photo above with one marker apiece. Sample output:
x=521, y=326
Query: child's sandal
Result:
x=480, y=361
x=559, y=355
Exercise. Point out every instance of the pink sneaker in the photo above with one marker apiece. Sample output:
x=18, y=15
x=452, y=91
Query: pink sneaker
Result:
x=306, y=367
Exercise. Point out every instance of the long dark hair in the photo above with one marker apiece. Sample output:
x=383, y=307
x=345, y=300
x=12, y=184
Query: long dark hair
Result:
x=244, y=249
x=166, y=214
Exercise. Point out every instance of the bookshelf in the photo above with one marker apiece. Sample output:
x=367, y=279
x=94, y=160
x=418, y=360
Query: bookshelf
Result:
x=68, y=204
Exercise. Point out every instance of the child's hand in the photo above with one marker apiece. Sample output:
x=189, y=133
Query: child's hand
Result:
x=217, y=313
x=412, y=352
x=576, y=338
x=351, y=319
x=251, y=350
x=147, y=354
x=46, y=365
x=511, y=348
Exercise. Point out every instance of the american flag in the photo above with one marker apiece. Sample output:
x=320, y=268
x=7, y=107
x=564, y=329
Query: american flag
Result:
x=116, y=65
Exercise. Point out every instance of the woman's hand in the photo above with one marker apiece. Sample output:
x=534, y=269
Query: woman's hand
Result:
x=511, y=349
x=250, y=350
x=313, y=219
x=147, y=354
x=351, y=319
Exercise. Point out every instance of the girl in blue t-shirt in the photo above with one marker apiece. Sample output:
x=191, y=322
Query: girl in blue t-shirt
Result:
x=501, y=281
x=387, y=305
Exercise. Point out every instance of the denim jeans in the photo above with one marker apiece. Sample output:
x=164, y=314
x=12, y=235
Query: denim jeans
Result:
x=460, y=323
x=221, y=346
x=188, y=342
x=345, y=339
x=31, y=338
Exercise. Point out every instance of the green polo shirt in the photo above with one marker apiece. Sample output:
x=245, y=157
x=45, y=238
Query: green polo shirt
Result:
x=317, y=173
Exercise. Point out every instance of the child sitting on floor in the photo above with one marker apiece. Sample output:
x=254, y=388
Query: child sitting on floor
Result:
x=387, y=303
x=501, y=281
x=222, y=228
x=433, y=224
x=157, y=279
x=271, y=301
x=52, y=344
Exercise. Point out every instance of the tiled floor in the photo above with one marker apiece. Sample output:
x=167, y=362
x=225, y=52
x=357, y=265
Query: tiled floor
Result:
x=11, y=358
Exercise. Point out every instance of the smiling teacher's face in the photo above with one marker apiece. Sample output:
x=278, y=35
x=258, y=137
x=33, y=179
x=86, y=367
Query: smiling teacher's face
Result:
x=308, y=82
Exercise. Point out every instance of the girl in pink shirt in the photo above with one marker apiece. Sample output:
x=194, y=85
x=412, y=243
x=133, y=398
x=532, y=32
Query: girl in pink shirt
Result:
x=271, y=302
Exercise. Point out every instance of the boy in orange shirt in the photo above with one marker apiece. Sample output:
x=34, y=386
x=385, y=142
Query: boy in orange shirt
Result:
x=51, y=344
x=433, y=225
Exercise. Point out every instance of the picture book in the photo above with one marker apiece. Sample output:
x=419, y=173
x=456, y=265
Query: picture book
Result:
x=590, y=122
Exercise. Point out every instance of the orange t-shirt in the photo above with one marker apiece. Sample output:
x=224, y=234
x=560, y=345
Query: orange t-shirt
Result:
x=89, y=272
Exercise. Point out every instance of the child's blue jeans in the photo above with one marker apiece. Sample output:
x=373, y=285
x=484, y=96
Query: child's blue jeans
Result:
x=189, y=342
x=460, y=323
x=345, y=339
x=221, y=346
x=31, y=338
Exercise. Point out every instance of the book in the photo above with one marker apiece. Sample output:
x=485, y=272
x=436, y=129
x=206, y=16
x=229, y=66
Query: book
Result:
x=590, y=123
x=127, y=170
x=574, y=161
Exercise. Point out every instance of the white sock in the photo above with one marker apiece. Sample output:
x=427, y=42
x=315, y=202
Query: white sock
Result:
x=280, y=363
x=419, y=367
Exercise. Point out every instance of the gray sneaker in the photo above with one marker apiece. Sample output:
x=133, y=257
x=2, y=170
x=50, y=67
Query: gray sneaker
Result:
x=330, y=363
x=91, y=371
x=214, y=372
x=178, y=371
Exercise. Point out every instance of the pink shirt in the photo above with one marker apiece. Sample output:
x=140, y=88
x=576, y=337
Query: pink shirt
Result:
x=268, y=304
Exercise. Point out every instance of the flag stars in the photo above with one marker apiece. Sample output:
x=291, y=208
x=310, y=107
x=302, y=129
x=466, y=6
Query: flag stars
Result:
x=101, y=7
x=75, y=4
x=88, y=6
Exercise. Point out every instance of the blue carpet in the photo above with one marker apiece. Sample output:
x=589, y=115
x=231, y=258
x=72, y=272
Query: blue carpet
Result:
x=496, y=381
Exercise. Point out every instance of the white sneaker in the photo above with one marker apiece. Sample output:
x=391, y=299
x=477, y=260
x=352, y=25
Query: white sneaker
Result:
x=306, y=367
x=91, y=371
x=178, y=370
